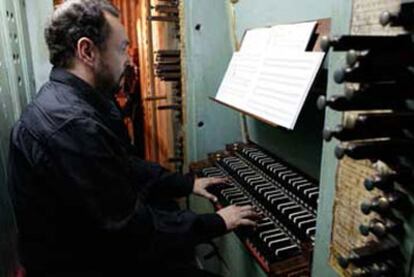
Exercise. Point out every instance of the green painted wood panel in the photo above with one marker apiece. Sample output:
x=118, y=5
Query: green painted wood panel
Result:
x=251, y=13
x=208, y=52
x=341, y=17
x=209, y=126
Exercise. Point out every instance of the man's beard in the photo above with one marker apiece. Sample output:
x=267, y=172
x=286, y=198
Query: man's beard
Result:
x=105, y=81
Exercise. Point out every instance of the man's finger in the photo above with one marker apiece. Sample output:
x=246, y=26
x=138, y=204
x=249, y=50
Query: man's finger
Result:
x=247, y=222
x=246, y=208
x=216, y=180
x=249, y=214
x=210, y=196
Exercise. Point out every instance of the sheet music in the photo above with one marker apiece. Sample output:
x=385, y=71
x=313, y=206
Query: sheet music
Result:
x=292, y=37
x=255, y=42
x=271, y=75
x=239, y=79
x=282, y=86
x=287, y=37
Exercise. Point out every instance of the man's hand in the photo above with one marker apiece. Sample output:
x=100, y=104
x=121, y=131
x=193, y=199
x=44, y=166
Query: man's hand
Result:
x=236, y=216
x=201, y=184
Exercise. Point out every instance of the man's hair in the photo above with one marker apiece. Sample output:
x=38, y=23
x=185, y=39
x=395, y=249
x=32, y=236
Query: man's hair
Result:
x=73, y=20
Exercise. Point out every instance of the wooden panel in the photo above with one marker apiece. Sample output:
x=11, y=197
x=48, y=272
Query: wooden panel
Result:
x=158, y=126
x=209, y=45
x=146, y=80
x=164, y=38
x=129, y=16
x=350, y=192
x=366, y=13
x=57, y=2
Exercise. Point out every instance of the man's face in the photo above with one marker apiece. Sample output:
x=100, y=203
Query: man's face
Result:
x=113, y=58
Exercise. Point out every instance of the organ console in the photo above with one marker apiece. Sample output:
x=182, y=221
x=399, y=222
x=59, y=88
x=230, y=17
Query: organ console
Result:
x=371, y=73
x=346, y=134
x=373, y=252
x=379, y=43
x=377, y=269
x=381, y=228
x=342, y=103
x=374, y=150
x=167, y=68
x=377, y=126
x=286, y=198
x=164, y=18
x=167, y=53
x=385, y=182
x=379, y=91
x=174, y=107
x=404, y=17
x=379, y=58
x=167, y=9
x=365, y=126
x=383, y=204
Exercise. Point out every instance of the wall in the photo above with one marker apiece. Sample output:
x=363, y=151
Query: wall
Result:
x=207, y=52
x=38, y=13
x=16, y=89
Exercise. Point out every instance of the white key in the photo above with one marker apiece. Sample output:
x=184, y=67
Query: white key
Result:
x=278, y=241
x=279, y=251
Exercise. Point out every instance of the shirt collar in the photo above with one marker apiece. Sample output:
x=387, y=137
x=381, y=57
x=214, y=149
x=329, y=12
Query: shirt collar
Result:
x=82, y=89
x=63, y=76
x=106, y=106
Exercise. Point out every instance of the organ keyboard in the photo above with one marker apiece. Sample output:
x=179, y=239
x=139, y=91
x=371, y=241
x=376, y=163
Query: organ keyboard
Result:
x=285, y=197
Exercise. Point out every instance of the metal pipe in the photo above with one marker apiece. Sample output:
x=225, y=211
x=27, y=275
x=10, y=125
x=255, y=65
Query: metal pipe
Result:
x=164, y=18
x=154, y=129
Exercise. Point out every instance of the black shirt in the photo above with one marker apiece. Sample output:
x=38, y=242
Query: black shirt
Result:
x=83, y=200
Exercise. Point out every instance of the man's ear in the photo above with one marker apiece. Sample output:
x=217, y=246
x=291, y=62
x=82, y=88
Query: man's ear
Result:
x=86, y=51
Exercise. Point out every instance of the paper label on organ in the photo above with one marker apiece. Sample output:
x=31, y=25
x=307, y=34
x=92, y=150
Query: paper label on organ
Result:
x=366, y=14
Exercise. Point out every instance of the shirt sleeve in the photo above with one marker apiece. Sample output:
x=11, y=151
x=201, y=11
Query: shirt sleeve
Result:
x=180, y=230
x=93, y=173
x=162, y=184
x=98, y=177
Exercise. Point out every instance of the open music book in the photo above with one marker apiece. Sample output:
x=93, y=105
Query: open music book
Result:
x=272, y=74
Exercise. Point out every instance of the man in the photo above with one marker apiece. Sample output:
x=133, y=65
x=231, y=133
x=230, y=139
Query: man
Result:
x=85, y=204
